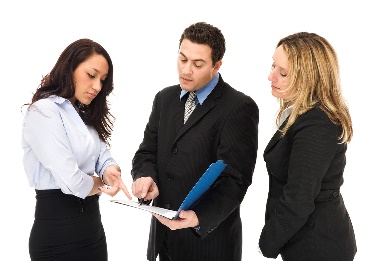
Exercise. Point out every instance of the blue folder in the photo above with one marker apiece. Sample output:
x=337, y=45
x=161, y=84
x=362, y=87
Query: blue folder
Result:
x=203, y=184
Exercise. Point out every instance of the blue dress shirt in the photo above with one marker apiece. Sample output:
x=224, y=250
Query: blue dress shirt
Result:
x=60, y=151
x=203, y=92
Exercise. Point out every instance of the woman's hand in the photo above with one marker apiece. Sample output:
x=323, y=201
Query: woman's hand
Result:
x=112, y=177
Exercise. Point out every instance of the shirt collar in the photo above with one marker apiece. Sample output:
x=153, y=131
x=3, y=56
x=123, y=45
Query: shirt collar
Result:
x=57, y=99
x=62, y=101
x=285, y=114
x=203, y=92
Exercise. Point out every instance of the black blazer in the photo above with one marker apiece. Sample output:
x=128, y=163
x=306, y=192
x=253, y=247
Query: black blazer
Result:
x=305, y=215
x=224, y=127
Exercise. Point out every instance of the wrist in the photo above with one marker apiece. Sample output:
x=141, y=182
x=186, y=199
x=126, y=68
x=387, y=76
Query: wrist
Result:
x=109, y=169
x=105, y=183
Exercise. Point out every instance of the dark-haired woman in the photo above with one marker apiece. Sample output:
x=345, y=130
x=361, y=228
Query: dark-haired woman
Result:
x=65, y=138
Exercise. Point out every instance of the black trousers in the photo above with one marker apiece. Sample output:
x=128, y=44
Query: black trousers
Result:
x=164, y=253
x=67, y=228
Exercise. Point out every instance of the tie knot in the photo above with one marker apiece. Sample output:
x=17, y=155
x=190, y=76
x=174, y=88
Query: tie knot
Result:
x=192, y=96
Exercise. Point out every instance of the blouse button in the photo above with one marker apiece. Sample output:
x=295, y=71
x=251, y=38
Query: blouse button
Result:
x=93, y=157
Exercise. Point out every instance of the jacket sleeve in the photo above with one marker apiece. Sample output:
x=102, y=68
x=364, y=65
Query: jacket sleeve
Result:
x=238, y=149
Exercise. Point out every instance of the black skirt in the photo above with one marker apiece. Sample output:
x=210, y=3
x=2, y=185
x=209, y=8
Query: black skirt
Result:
x=67, y=228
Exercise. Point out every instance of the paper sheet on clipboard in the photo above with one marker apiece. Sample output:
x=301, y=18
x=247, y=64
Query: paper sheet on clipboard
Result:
x=203, y=184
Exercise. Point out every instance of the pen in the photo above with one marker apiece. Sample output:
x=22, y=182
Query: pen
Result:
x=140, y=201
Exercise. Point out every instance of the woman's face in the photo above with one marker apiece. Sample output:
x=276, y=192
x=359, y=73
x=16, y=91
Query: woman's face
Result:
x=88, y=78
x=279, y=74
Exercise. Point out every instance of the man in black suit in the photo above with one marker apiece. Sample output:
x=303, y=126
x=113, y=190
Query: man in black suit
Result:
x=175, y=153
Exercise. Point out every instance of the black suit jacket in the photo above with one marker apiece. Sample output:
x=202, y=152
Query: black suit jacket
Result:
x=224, y=127
x=305, y=216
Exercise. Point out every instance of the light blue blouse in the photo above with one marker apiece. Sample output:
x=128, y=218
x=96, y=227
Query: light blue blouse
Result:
x=60, y=151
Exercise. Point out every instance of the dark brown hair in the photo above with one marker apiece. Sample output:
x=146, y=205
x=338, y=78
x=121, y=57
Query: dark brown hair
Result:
x=203, y=33
x=60, y=82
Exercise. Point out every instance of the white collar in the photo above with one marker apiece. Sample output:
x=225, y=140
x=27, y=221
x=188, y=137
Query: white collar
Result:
x=283, y=117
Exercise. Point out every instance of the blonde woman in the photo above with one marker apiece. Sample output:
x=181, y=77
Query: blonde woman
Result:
x=306, y=218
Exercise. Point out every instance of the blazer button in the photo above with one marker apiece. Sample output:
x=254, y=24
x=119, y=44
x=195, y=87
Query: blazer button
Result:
x=175, y=151
x=167, y=206
x=170, y=178
x=335, y=194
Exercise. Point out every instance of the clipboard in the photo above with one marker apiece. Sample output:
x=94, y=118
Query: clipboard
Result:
x=201, y=186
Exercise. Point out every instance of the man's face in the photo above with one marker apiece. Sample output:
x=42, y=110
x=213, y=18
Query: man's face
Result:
x=195, y=66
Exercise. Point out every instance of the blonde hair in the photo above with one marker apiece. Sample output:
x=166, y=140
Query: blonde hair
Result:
x=314, y=79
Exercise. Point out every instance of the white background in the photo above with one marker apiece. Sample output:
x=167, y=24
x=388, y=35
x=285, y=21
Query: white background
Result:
x=142, y=38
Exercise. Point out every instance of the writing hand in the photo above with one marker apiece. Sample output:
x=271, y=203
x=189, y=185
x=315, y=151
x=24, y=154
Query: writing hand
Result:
x=145, y=188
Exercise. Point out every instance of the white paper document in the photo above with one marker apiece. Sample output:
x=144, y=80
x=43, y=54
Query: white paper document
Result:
x=159, y=211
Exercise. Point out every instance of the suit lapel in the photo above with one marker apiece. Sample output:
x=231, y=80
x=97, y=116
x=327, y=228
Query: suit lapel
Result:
x=273, y=141
x=179, y=115
x=196, y=115
x=275, y=138
x=199, y=112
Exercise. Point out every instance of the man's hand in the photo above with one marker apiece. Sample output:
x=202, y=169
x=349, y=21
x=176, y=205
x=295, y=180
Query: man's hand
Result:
x=145, y=188
x=187, y=219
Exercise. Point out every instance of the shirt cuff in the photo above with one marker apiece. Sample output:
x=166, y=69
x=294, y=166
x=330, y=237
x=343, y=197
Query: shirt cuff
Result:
x=109, y=163
x=87, y=186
